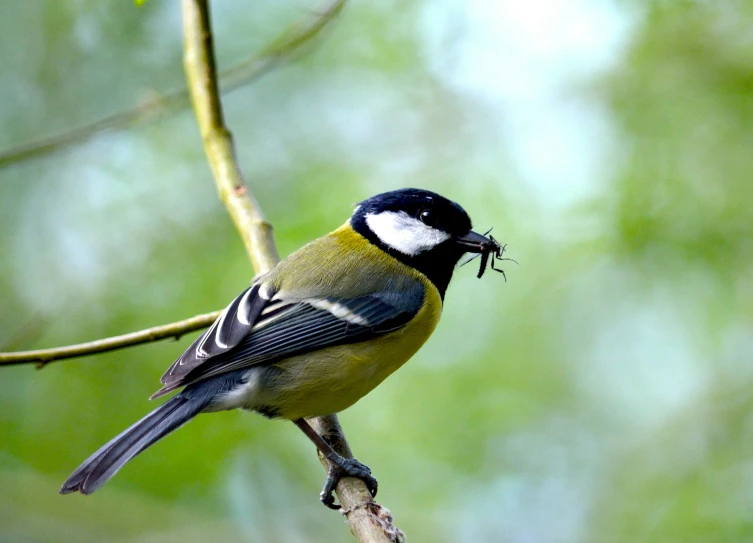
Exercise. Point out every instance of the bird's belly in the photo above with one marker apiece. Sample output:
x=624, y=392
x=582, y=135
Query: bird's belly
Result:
x=331, y=380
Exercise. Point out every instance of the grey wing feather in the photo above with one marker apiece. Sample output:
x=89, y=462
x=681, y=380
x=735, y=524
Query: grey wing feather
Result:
x=289, y=327
x=233, y=324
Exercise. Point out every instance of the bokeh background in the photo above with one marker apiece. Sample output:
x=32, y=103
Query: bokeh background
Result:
x=602, y=394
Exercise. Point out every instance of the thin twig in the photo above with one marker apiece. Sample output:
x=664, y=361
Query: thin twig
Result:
x=199, y=62
x=279, y=50
x=199, y=65
x=175, y=329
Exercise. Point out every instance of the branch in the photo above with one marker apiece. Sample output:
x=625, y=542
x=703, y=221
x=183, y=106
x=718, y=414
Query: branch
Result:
x=368, y=521
x=44, y=356
x=279, y=50
x=244, y=210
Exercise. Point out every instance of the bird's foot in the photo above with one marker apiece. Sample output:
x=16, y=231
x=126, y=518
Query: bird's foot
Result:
x=345, y=467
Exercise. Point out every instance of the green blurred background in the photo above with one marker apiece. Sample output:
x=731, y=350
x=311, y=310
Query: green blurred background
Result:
x=603, y=394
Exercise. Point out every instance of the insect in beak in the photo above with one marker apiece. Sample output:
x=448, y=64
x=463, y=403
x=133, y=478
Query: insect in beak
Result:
x=485, y=247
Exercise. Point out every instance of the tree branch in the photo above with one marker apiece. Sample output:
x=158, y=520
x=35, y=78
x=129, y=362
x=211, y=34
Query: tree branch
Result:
x=368, y=521
x=44, y=356
x=199, y=65
x=279, y=50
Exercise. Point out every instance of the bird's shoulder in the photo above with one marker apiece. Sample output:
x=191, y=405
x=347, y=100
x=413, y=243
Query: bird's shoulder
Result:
x=341, y=264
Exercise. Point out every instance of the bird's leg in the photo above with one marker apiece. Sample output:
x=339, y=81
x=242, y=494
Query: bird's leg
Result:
x=339, y=467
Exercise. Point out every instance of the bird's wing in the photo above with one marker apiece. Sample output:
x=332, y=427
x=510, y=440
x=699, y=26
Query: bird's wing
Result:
x=259, y=327
x=233, y=324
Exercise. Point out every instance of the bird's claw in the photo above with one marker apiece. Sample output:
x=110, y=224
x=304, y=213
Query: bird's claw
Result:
x=346, y=467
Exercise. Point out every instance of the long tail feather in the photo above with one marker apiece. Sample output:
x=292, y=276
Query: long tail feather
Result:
x=104, y=463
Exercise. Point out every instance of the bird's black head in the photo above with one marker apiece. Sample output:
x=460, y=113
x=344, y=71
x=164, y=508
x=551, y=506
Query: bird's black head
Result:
x=422, y=229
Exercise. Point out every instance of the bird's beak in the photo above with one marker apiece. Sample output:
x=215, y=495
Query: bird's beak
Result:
x=474, y=242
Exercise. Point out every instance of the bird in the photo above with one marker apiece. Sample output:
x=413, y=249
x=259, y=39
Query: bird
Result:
x=317, y=332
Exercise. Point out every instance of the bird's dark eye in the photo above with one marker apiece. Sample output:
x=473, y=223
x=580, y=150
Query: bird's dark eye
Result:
x=428, y=217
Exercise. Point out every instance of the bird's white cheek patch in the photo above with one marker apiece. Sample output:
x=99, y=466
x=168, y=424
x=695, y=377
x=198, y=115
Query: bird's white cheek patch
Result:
x=403, y=233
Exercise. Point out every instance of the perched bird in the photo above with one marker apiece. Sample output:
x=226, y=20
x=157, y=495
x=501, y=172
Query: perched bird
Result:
x=317, y=332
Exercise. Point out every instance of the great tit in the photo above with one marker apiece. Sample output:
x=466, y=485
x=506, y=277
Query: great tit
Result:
x=317, y=332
